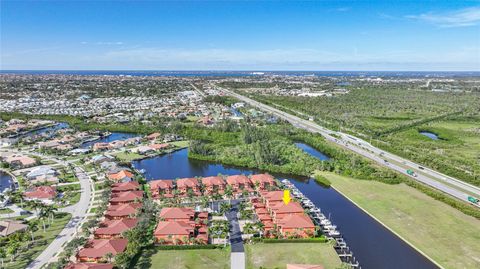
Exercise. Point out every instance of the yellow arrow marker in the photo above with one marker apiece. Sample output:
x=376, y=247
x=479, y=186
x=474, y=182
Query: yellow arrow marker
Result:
x=286, y=197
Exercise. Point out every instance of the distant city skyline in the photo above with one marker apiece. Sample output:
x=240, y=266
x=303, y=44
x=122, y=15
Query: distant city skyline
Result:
x=245, y=35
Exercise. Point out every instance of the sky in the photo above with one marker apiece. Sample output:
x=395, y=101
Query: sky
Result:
x=240, y=35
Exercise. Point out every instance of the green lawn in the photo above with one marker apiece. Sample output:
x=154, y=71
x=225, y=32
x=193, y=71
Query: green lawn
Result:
x=128, y=156
x=446, y=235
x=180, y=144
x=6, y=211
x=42, y=240
x=185, y=259
x=277, y=255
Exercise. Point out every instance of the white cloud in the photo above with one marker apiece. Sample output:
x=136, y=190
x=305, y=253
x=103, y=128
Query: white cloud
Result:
x=459, y=18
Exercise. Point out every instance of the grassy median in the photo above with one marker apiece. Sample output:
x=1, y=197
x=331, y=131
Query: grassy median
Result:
x=443, y=233
x=278, y=255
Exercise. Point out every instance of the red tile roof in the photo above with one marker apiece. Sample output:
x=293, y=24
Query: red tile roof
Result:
x=295, y=221
x=97, y=248
x=125, y=186
x=238, y=179
x=161, y=184
x=127, y=196
x=187, y=182
x=292, y=207
x=213, y=181
x=273, y=195
x=176, y=213
x=262, y=178
x=87, y=265
x=122, y=210
x=41, y=192
x=120, y=175
x=173, y=228
x=114, y=227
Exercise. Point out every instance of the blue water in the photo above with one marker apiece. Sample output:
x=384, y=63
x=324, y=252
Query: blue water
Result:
x=315, y=153
x=430, y=135
x=236, y=112
x=51, y=130
x=5, y=181
x=373, y=245
x=114, y=136
x=214, y=73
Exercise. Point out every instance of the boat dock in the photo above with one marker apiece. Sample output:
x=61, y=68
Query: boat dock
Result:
x=326, y=226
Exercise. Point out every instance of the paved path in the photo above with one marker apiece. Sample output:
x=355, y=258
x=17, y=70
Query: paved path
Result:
x=237, y=255
x=78, y=211
x=439, y=181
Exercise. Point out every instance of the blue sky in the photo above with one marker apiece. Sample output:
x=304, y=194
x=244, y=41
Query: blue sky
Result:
x=240, y=35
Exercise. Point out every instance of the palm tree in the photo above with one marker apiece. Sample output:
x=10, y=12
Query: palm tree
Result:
x=12, y=249
x=109, y=256
x=17, y=196
x=43, y=214
x=229, y=192
x=32, y=227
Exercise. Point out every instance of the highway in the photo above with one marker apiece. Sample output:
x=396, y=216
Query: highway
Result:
x=439, y=181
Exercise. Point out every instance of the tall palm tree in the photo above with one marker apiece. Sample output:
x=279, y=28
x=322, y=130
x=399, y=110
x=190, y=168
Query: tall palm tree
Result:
x=32, y=227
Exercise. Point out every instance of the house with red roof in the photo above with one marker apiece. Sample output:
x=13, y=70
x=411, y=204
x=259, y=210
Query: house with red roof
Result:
x=282, y=210
x=184, y=214
x=186, y=185
x=20, y=161
x=157, y=147
x=126, y=197
x=296, y=225
x=173, y=232
x=213, y=185
x=239, y=183
x=153, y=136
x=272, y=198
x=45, y=194
x=161, y=188
x=125, y=186
x=89, y=265
x=111, y=229
x=263, y=181
x=121, y=176
x=122, y=211
x=96, y=249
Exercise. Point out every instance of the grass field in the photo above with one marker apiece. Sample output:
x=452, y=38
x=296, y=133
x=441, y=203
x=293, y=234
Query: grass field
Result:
x=128, y=156
x=443, y=233
x=180, y=144
x=42, y=240
x=185, y=259
x=277, y=255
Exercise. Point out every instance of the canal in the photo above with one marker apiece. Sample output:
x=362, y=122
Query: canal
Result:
x=109, y=138
x=372, y=244
x=6, y=181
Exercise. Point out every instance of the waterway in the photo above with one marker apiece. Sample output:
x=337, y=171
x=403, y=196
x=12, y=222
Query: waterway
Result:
x=5, y=181
x=315, y=153
x=112, y=137
x=373, y=245
x=430, y=135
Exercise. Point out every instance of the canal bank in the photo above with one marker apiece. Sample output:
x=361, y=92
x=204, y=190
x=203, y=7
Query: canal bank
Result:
x=388, y=228
x=374, y=245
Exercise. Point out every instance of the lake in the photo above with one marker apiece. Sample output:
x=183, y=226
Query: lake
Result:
x=315, y=153
x=373, y=245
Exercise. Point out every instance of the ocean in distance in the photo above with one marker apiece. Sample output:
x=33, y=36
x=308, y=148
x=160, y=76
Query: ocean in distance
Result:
x=214, y=73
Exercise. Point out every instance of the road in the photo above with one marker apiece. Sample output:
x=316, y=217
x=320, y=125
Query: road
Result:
x=439, y=181
x=237, y=255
